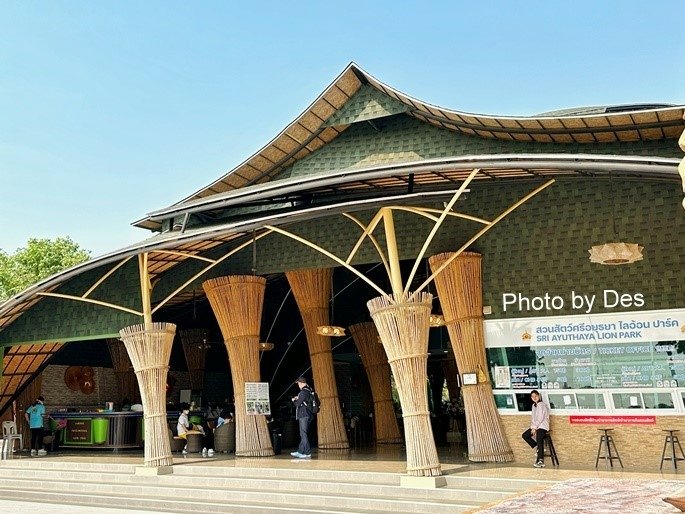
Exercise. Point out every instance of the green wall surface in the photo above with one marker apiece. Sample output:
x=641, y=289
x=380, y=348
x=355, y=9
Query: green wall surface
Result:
x=402, y=138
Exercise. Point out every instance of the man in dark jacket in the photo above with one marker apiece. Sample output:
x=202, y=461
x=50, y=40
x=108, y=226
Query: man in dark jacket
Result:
x=304, y=418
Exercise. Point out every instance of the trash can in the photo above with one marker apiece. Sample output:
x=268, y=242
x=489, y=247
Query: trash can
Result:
x=100, y=429
x=277, y=441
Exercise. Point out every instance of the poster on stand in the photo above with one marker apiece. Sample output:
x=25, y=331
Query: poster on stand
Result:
x=257, y=399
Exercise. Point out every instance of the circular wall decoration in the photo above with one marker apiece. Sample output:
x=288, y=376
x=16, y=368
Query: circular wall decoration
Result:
x=87, y=373
x=88, y=386
x=72, y=377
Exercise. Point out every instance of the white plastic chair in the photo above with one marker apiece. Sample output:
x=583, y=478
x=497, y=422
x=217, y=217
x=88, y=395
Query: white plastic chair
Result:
x=10, y=434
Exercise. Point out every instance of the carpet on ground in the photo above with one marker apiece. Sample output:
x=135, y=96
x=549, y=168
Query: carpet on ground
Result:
x=594, y=495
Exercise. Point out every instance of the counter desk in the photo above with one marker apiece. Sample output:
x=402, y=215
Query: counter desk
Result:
x=114, y=430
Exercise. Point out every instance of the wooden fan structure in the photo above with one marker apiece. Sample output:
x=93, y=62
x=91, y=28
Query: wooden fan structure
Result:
x=237, y=303
x=80, y=378
x=375, y=363
x=402, y=317
x=461, y=297
x=312, y=291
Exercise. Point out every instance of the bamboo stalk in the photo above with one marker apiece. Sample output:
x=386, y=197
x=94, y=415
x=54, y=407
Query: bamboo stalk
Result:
x=403, y=325
x=460, y=289
x=195, y=352
x=149, y=348
x=237, y=303
x=312, y=291
x=377, y=369
x=127, y=386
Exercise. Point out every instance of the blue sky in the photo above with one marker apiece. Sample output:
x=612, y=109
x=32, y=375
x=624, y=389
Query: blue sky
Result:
x=109, y=110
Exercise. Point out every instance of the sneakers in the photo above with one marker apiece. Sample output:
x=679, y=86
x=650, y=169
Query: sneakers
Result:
x=539, y=464
x=204, y=452
x=210, y=452
x=184, y=452
x=295, y=454
x=303, y=456
x=42, y=453
x=33, y=453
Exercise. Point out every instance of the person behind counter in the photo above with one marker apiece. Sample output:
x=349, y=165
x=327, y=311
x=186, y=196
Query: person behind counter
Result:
x=34, y=417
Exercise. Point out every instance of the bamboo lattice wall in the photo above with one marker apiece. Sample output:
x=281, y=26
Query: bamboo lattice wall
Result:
x=195, y=350
x=312, y=291
x=237, y=303
x=127, y=385
x=377, y=369
x=403, y=325
x=149, y=348
x=460, y=289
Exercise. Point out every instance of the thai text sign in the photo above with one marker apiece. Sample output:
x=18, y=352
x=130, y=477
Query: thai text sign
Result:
x=627, y=327
x=612, y=420
x=78, y=431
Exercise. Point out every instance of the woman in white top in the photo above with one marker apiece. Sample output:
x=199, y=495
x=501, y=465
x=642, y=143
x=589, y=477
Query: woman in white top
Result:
x=539, y=426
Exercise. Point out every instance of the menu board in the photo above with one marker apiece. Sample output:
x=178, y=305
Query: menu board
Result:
x=619, y=365
x=78, y=431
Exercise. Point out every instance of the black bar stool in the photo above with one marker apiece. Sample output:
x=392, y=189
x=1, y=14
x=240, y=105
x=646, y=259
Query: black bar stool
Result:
x=549, y=450
x=672, y=440
x=606, y=442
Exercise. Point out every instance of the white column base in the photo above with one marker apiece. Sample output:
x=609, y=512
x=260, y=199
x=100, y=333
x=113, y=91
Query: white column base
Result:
x=422, y=482
x=154, y=471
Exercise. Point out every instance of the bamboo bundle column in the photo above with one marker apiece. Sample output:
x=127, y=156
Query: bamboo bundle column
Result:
x=312, y=291
x=149, y=348
x=403, y=325
x=237, y=303
x=127, y=386
x=195, y=352
x=460, y=290
x=377, y=369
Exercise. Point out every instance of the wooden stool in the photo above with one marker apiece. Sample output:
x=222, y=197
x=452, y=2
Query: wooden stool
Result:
x=672, y=440
x=548, y=449
x=606, y=442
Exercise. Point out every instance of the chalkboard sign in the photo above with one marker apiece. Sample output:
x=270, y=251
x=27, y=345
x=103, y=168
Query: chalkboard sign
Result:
x=78, y=431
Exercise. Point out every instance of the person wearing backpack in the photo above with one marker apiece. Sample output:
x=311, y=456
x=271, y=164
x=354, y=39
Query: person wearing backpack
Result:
x=304, y=416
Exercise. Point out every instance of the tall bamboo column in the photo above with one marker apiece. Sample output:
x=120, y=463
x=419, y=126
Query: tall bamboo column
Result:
x=461, y=298
x=196, y=354
x=449, y=368
x=403, y=325
x=237, y=303
x=312, y=291
x=149, y=347
x=377, y=369
x=127, y=386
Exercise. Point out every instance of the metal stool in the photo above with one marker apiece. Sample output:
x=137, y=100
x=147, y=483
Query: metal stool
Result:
x=548, y=449
x=672, y=440
x=606, y=442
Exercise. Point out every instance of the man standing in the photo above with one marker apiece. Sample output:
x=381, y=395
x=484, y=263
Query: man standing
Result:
x=539, y=426
x=304, y=418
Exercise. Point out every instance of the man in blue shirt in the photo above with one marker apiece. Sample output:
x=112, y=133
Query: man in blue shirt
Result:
x=34, y=416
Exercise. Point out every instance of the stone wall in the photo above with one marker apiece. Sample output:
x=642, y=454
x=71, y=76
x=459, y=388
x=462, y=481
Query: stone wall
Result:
x=639, y=446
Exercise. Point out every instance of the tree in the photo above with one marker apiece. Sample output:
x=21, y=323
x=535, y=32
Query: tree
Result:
x=40, y=259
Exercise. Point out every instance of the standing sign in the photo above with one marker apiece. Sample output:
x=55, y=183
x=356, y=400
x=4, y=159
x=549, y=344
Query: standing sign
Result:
x=257, y=398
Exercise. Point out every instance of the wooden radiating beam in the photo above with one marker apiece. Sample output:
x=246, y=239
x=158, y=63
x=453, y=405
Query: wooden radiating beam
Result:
x=105, y=277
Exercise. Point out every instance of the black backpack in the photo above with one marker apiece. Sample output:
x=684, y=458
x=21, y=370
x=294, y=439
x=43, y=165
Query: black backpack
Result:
x=314, y=405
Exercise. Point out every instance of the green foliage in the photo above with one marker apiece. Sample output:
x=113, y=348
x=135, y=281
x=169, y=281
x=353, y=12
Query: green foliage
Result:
x=40, y=259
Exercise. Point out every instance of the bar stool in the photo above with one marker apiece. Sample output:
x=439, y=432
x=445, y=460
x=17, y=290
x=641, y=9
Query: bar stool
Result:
x=672, y=440
x=548, y=449
x=606, y=441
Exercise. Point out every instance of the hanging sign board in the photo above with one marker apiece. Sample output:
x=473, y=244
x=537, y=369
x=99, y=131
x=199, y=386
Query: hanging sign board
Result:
x=257, y=399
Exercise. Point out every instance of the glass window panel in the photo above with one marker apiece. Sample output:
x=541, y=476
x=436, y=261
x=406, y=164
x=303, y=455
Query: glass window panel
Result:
x=658, y=400
x=560, y=401
x=525, y=404
x=627, y=400
x=505, y=401
x=590, y=401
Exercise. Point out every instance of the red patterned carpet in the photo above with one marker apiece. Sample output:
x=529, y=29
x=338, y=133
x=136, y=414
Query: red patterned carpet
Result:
x=596, y=496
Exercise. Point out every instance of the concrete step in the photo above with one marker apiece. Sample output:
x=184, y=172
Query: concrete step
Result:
x=295, y=485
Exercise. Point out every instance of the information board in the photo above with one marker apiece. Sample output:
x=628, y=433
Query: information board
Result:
x=78, y=431
x=257, y=398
